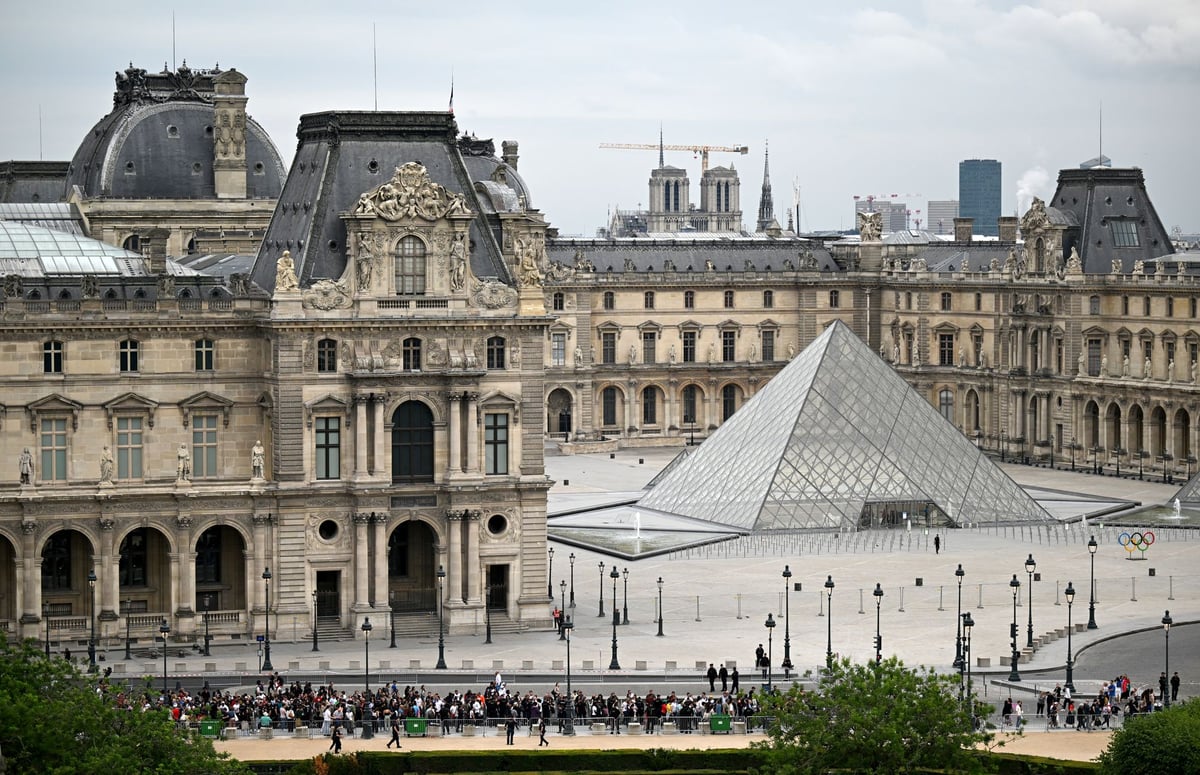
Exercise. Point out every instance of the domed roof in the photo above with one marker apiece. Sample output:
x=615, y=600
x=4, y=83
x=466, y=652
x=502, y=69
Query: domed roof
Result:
x=157, y=143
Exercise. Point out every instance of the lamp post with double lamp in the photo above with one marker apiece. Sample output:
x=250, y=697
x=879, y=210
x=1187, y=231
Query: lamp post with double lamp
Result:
x=562, y=612
x=958, y=652
x=1092, y=547
x=770, y=647
x=1030, y=567
x=787, y=606
x=614, y=575
x=266, y=665
x=1166, y=623
x=164, y=630
x=366, y=631
x=316, y=644
x=128, y=626
x=569, y=723
x=571, y=558
x=441, y=663
x=207, y=637
x=967, y=624
x=829, y=621
x=878, y=593
x=1016, y=655
x=660, y=586
x=1070, y=595
x=91, y=579
x=625, y=596
x=550, y=575
x=601, y=589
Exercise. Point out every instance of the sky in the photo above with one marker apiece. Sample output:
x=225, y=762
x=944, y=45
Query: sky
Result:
x=874, y=97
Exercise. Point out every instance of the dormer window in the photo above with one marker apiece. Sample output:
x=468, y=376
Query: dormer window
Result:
x=410, y=267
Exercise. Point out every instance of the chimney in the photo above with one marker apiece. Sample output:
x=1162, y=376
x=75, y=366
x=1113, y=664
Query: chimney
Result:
x=508, y=150
x=229, y=135
x=1008, y=228
x=962, y=229
x=153, y=245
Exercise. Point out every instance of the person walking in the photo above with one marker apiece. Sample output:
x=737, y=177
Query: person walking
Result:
x=1174, y=686
x=723, y=674
x=937, y=544
x=336, y=744
x=395, y=731
x=712, y=677
x=733, y=677
x=542, y=733
x=510, y=728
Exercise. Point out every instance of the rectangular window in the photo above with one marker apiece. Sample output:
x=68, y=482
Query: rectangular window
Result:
x=648, y=300
x=768, y=346
x=1146, y=306
x=1093, y=357
x=768, y=299
x=1125, y=234
x=1170, y=306
x=947, y=301
x=689, y=404
x=729, y=346
x=609, y=402
x=129, y=356
x=1125, y=306
x=326, y=356
x=649, y=349
x=52, y=357
x=204, y=447
x=689, y=346
x=204, y=354
x=1170, y=351
x=53, y=443
x=608, y=347
x=945, y=349
x=495, y=352
x=728, y=299
x=329, y=448
x=495, y=443
x=129, y=447
x=650, y=407
x=979, y=302
x=1192, y=307
x=689, y=299
x=558, y=350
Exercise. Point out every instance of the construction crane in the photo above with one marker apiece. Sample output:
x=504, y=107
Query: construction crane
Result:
x=885, y=197
x=703, y=150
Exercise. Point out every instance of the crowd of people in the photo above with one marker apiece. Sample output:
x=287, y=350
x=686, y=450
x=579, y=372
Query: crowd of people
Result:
x=1115, y=699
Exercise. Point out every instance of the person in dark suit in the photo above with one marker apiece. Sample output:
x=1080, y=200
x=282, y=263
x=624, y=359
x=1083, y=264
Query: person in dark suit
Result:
x=510, y=727
x=712, y=677
x=723, y=674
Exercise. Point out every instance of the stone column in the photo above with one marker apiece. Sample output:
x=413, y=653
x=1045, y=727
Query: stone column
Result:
x=110, y=575
x=361, y=568
x=360, y=437
x=472, y=432
x=630, y=408
x=454, y=574
x=381, y=561
x=380, y=467
x=32, y=578
x=474, y=590
x=187, y=568
x=455, y=464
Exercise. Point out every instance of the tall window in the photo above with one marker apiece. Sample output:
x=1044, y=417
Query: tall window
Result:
x=56, y=563
x=979, y=302
x=52, y=357
x=649, y=350
x=689, y=404
x=410, y=267
x=412, y=443
x=689, y=299
x=326, y=356
x=648, y=300
x=204, y=446
x=729, y=346
x=204, y=354
x=129, y=351
x=946, y=404
x=835, y=299
x=558, y=350
x=1146, y=306
x=53, y=443
x=1093, y=305
x=768, y=346
x=329, y=447
x=945, y=349
x=1170, y=306
x=650, y=406
x=768, y=299
x=1094, y=355
x=208, y=557
x=495, y=352
x=608, y=399
x=495, y=443
x=947, y=301
x=129, y=447
x=728, y=402
x=134, y=558
x=728, y=299
x=411, y=353
x=610, y=300
x=689, y=346
x=558, y=301
x=608, y=347
x=1125, y=306
x=908, y=299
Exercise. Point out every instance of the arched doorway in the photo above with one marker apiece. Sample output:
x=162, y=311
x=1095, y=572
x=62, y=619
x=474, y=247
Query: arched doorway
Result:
x=8, y=585
x=220, y=570
x=1091, y=425
x=1182, y=441
x=730, y=398
x=1158, y=432
x=1112, y=428
x=412, y=584
x=67, y=558
x=412, y=443
x=558, y=412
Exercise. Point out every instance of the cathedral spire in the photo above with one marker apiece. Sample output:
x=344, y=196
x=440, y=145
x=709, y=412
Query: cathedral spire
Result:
x=766, y=208
x=661, y=161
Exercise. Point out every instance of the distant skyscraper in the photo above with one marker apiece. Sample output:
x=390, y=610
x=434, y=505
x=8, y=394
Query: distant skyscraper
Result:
x=979, y=194
x=940, y=215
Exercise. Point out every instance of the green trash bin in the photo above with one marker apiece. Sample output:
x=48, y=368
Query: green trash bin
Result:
x=415, y=726
x=719, y=722
x=210, y=729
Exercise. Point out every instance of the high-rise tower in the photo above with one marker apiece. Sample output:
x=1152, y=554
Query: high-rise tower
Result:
x=979, y=194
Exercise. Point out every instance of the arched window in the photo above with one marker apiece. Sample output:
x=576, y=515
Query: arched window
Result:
x=557, y=301
x=609, y=403
x=326, y=356
x=650, y=406
x=689, y=299
x=768, y=299
x=411, y=348
x=410, y=267
x=610, y=300
x=495, y=352
x=728, y=402
x=946, y=404
x=133, y=558
x=132, y=242
x=208, y=557
x=412, y=443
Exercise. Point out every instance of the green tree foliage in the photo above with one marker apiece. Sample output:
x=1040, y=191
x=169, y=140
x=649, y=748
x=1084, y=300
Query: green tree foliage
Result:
x=55, y=720
x=873, y=718
x=1165, y=742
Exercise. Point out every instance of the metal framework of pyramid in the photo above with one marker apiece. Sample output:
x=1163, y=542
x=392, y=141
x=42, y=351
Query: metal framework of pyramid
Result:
x=837, y=440
x=1190, y=492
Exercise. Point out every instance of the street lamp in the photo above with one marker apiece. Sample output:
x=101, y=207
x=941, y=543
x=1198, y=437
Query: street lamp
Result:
x=1016, y=655
x=562, y=613
x=1166, y=623
x=128, y=622
x=315, y=642
x=1070, y=595
x=366, y=631
x=1073, y=447
x=571, y=557
x=614, y=575
x=601, y=589
x=1092, y=547
x=266, y=665
x=770, y=648
x=1030, y=567
x=660, y=586
x=1051, y=451
x=550, y=575
x=958, y=653
x=878, y=593
x=441, y=663
x=967, y=624
x=46, y=618
x=164, y=629
x=91, y=579
x=207, y=637
x=787, y=606
x=1004, y=447
x=829, y=622
x=625, y=596
x=569, y=723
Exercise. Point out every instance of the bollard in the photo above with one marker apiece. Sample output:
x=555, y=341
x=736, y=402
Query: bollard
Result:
x=940, y=598
x=901, y=600
x=980, y=596
x=697, y=609
x=1132, y=589
x=739, y=601
x=860, y=600
x=1170, y=587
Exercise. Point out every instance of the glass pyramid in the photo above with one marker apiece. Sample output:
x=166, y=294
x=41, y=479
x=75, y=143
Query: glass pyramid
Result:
x=838, y=440
x=1190, y=492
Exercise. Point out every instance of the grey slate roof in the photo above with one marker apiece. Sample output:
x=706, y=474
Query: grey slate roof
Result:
x=726, y=254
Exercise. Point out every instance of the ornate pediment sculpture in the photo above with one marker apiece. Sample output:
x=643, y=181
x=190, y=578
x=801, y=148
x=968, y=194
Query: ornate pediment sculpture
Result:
x=411, y=194
x=327, y=295
x=1035, y=217
x=493, y=294
x=870, y=226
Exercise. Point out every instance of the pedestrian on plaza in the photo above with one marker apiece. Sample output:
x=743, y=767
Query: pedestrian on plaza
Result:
x=542, y=733
x=937, y=544
x=1162, y=685
x=510, y=728
x=723, y=674
x=1175, y=686
x=336, y=745
x=395, y=731
x=734, y=678
x=712, y=677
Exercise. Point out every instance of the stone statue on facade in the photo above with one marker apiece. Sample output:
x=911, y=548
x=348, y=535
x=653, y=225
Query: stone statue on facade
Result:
x=753, y=353
x=1171, y=370
x=258, y=460
x=183, y=464
x=285, y=273
x=709, y=266
x=578, y=357
x=896, y=353
x=106, y=465
x=1075, y=262
x=1146, y=368
x=1010, y=263
x=632, y=354
x=25, y=466
x=870, y=226
x=1116, y=266
x=1139, y=268
x=458, y=262
x=1194, y=370
x=791, y=350
x=1125, y=367
x=671, y=355
x=1103, y=366
x=1082, y=363
x=530, y=273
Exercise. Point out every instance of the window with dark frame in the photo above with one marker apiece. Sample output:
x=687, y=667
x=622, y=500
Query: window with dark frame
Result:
x=205, y=354
x=495, y=352
x=326, y=356
x=329, y=448
x=495, y=443
x=52, y=357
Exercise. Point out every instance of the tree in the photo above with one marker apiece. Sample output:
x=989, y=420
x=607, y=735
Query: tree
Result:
x=873, y=718
x=55, y=720
x=1160, y=743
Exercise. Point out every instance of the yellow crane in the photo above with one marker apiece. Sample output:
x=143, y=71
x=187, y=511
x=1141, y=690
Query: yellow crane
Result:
x=703, y=150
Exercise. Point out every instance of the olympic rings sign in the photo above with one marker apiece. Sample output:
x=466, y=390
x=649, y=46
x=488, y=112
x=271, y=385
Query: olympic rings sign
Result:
x=1136, y=541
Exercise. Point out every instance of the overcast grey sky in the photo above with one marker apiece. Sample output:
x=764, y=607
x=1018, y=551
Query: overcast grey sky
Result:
x=871, y=97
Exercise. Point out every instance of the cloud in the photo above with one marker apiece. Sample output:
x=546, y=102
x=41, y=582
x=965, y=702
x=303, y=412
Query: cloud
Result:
x=1033, y=182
